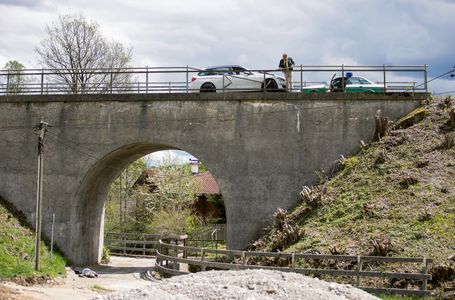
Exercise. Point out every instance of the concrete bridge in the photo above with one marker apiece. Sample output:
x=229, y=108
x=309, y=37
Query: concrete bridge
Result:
x=261, y=148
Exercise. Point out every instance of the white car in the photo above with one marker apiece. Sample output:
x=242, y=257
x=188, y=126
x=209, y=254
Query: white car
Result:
x=233, y=78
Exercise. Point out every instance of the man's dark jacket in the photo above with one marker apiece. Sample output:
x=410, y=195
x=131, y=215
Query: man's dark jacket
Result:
x=290, y=63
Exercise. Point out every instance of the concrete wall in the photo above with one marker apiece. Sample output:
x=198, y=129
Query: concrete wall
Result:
x=261, y=148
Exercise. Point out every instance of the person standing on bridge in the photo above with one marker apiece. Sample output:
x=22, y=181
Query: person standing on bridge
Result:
x=286, y=65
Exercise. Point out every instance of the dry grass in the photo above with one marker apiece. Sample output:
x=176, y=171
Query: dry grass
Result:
x=396, y=196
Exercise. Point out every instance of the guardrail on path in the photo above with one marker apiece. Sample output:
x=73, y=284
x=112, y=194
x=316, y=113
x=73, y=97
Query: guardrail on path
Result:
x=171, y=259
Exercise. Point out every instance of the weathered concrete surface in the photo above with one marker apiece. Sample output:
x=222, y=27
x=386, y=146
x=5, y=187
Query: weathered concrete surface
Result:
x=261, y=148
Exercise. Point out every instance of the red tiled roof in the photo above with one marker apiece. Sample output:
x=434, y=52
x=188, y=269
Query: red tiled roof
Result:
x=206, y=184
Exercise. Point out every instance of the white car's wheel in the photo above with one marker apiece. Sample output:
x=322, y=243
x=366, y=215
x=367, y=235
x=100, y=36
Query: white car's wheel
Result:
x=270, y=85
x=208, y=88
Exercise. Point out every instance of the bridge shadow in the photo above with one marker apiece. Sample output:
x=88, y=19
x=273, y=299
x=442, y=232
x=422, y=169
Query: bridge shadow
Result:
x=120, y=265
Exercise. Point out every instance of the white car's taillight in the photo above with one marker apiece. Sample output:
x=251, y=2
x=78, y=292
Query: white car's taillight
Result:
x=193, y=79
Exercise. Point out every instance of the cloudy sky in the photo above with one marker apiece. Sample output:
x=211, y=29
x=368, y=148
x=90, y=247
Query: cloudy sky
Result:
x=253, y=33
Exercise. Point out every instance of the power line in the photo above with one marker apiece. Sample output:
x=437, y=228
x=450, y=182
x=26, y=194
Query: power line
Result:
x=439, y=76
x=442, y=93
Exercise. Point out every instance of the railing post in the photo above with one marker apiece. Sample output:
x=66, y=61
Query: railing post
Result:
x=301, y=77
x=147, y=79
x=124, y=243
x=243, y=260
x=425, y=271
x=342, y=78
x=293, y=260
x=143, y=245
x=263, y=83
x=185, y=252
x=111, y=82
x=7, y=82
x=223, y=82
x=42, y=81
x=359, y=269
x=426, y=78
x=169, y=87
x=384, y=78
x=175, y=264
x=202, y=259
x=187, y=78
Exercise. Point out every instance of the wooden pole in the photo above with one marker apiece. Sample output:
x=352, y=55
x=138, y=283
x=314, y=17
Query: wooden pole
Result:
x=39, y=192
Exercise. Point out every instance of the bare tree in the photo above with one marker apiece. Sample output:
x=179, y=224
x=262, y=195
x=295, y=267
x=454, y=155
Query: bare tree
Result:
x=82, y=58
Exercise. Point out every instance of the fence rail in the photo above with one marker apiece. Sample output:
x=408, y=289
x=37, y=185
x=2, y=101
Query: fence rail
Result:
x=177, y=79
x=171, y=259
x=132, y=244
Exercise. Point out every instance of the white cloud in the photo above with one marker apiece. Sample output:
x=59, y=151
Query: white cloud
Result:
x=168, y=157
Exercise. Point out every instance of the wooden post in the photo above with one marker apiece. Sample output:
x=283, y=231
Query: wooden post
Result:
x=39, y=192
x=425, y=271
x=359, y=269
x=202, y=258
x=124, y=243
x=143, y=245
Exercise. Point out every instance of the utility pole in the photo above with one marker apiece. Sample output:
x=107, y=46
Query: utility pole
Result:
x=39, y=191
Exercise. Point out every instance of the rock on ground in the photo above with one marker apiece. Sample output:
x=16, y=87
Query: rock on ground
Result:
x=247, y=284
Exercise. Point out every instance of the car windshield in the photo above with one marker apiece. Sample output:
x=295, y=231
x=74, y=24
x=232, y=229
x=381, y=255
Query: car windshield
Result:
x=364, y=81
x=351, y=80
x=215, y=71
x=239, y=70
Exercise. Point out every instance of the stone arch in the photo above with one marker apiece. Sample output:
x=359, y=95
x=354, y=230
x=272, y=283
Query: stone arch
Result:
x=91, y=196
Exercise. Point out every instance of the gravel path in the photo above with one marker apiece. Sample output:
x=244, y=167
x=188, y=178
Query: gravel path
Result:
x=248, y=284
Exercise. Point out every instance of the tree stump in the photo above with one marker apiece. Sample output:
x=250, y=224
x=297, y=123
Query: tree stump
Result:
x=382, y=127
x=452, y=118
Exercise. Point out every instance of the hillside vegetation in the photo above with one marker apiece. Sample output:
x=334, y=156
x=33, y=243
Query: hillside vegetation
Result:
x=396, y=197
x=17, y=245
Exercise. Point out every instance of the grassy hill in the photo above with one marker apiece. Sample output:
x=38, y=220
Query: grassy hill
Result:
x=396, y=197
x=17, y=244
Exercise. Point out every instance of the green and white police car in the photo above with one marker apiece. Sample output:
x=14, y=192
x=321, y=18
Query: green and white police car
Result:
x=348, y=84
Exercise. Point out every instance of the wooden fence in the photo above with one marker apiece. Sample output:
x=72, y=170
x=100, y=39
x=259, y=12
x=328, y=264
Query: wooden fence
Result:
x=173, y=259
x=134, y=244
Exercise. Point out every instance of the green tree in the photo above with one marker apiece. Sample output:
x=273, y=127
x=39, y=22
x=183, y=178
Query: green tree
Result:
x=162, y=203
x=15, y=80
x=120, y=197
x=75, y=49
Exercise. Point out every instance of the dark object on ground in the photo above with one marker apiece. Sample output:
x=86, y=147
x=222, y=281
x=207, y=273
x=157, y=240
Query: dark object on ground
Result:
x=86, y=272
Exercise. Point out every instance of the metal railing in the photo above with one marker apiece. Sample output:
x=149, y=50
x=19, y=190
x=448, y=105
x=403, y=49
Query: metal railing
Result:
x=132, y=244
x=145, y=245
x=178, y=79
x=174, y=259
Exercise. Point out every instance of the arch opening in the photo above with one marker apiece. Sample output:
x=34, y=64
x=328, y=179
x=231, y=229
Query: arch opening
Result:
x=122, y=193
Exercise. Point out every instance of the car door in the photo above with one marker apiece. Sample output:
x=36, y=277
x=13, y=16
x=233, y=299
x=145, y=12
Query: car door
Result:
x=353, y=85
x=244, y=80
x=220, y=78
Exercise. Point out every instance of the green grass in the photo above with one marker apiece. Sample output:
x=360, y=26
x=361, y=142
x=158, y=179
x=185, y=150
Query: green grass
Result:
x=369, y=200
x=17, y=253
x=397, y=297
x=100, y=289
x=400, y=189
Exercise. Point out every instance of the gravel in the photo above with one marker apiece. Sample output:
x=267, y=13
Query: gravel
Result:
x=247, y=284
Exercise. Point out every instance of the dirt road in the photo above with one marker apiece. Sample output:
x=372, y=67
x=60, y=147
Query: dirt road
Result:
x=122, y=273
